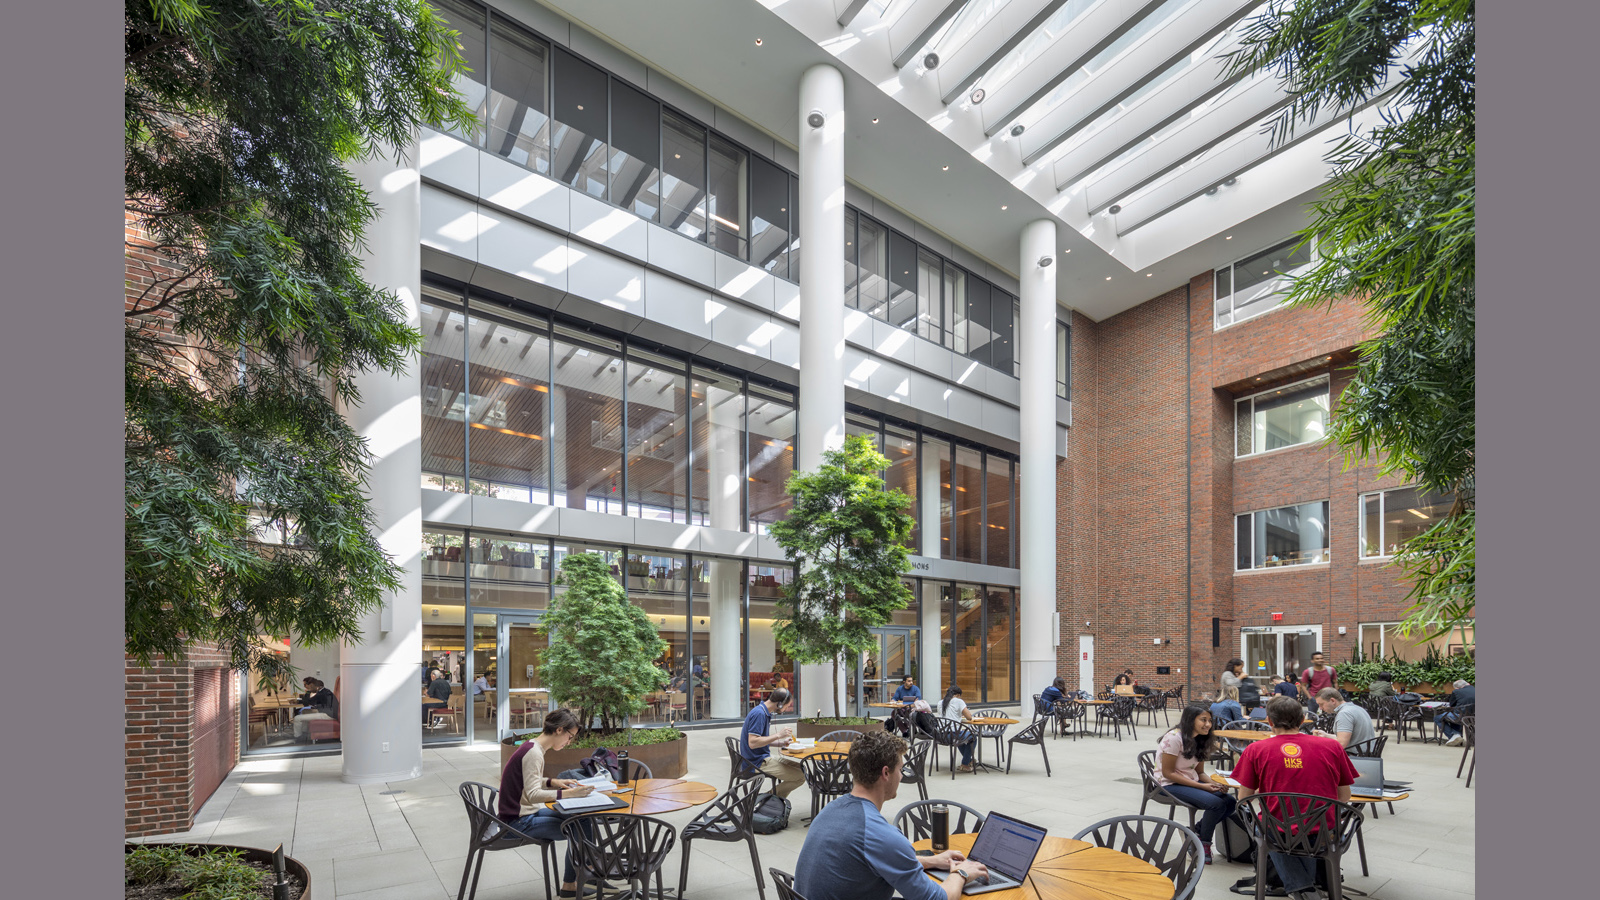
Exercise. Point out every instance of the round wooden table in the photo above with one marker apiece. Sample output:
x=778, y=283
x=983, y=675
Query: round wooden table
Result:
x=979, y=723
x=889, y=705
x=655, y=796
x=1066, y=869
x=1240, y=734
x=820, y=747
x=1217, y=778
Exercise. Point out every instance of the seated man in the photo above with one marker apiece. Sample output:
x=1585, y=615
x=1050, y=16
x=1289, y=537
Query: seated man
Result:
x=1295, y=763
x=438, y=691
x=1351, y=723
x=318, y=703
x=853, y=853
x=755, y=737
x=907, y=691
x=1462, y=703
x=1284, y=687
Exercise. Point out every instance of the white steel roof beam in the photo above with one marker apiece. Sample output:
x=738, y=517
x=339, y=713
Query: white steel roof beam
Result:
x=848, y=10
x=918, y=24
x=1089, y=34
x=1008, y=27
x=1158, y=51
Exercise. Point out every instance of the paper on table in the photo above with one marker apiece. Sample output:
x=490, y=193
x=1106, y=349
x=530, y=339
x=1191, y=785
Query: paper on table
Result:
x=590, y=802
x=802, y=743
x=600, y=783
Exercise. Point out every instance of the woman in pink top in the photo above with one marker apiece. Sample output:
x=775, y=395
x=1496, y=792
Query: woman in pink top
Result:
x=1181, y=771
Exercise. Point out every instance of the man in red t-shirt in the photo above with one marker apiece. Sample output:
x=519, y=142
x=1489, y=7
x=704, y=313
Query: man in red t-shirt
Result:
x=1291, y=762
x=1319, y=676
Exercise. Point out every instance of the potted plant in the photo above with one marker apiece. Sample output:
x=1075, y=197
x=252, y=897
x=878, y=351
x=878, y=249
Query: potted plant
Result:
x=210, y=871
x=601, y=663
x=846, y=535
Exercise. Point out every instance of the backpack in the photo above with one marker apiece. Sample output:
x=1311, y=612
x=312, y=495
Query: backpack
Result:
x=1235, y=843
x=771, y=814
x=1249, y=693
x=602, y=760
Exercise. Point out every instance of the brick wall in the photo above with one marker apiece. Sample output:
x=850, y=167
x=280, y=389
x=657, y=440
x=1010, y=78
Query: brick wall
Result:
x=1151, y=482
x=159, y=721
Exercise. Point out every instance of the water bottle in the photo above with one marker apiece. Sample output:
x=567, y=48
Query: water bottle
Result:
x=940, y=815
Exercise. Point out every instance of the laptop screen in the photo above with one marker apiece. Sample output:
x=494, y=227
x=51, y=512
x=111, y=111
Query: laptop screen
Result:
x=1007, y=845
x=1369, y=776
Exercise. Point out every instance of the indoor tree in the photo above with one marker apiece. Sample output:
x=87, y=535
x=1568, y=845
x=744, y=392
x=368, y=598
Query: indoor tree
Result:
x=246, y=318
x=1396, y=229
x=846, y=535
x=602, y=660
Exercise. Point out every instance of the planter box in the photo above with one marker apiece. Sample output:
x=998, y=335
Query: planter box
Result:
x=804, y=729
x=668, y=760
x=251, y=854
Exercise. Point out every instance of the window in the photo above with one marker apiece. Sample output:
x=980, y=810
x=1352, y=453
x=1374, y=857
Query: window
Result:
x=980, y=339
x=900, y=445
x=468, y=19
x=518, y=113
x=444, y=396
x=769, y=218
x=717, y=411
x=903, y=274
x=578, y=145
x=1283, y=417
x=1286, y=536
x=508, y=367
x=658, y=452
x=998, y=506
x=1256, y=284
x=1063, y=360
x=729, y=177
x=955, y=308
x=929, y=275
x=683, y=179
x=872, y=277
x=969, y=505
x=771, y=436
x=587, y=427
x=1390, y=518
x=1381, y=640
x=635, y=151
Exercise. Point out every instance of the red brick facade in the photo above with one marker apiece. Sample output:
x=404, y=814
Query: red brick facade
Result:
x=158, y=744
x=1151, y=483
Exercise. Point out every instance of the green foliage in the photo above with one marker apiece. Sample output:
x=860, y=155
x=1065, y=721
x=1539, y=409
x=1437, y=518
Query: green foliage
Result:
x=602, y=657
x=1435, y=669
x=240, y=117
x=1396, y=227
x=847, y=537
x=213, y=875
x=637, y=737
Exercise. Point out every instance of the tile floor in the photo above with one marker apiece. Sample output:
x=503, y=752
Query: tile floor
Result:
x=407, y=840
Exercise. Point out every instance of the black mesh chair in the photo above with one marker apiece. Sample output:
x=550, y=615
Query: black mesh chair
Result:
x=1068, y=713
x=633, y=769
x=900, y=721
x=1368, y=749
x=916, y=820
x=997, y=733
x=828, y=776
x=1117, y=714
x=488, y=833
x=1163, y=843
x=947, y=733
x=1152, y=703
x=619, y=847
x=741, y=769
x=1469, y=745
x=1405, y=714
x=915, y=768
x=1033, y=735
x=843, y=736
x=1154, y=792
x=784, y=882
x=1040, y=708
x=1235, y=745
x=726, y=821
x=1299, y=827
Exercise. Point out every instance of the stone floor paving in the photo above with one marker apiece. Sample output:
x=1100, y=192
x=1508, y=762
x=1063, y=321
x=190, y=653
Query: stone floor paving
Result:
x=407, y=840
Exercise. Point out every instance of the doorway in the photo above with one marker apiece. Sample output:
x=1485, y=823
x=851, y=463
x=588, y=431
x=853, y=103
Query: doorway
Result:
x=1086, y=664
x=879, y=671
x=1274, y=649
x=521, y=699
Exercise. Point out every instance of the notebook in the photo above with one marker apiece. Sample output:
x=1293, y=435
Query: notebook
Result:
x=590, y=803
x=1369, y=779
x=1007, y=847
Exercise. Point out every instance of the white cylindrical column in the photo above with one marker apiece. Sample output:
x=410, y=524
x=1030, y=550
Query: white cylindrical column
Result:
x=930, y=672
x=723, y=411
x=1037, y=511
x=380, y=706
x=821, y=210
x=928, y=488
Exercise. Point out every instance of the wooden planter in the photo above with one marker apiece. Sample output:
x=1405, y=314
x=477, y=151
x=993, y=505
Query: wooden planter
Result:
x=805, y=729
x=667, y=760
x=251, y=854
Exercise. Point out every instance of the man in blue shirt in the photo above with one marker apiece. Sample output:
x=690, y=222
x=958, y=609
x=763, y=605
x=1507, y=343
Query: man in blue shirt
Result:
x=907, y=691
x=853, y=853
x=755, y=737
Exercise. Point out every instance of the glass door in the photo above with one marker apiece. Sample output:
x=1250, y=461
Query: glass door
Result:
x=521, y=699
x=1277, y=649
x=879, y=671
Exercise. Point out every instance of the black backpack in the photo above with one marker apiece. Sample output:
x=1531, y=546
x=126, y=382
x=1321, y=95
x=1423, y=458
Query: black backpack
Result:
x=771, y=814
x=1234, y=841
x=602, y=760
x=1249, y=693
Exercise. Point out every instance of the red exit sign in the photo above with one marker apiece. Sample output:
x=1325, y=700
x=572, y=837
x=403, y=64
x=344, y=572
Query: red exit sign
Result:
x=1277, y=617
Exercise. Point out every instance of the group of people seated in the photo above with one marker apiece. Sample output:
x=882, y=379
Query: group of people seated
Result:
x=316, y=703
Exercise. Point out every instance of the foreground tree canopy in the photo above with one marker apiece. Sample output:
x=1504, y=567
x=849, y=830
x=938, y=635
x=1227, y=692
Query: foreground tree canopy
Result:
x=1397, y=228
x=246, y=317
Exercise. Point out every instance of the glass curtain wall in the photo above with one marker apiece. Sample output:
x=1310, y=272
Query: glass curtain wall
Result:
x=508, y=404
x=768, y=667
x=658, y=437
x=770, y=432
x=587, y=422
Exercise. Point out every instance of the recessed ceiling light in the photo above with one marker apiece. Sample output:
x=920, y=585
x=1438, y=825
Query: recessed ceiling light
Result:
x=1148, y=274
x=931, y=61
x=947, y=168
x=1017, y=130
x=978, y=95
x=874, y=120
x=783, y=209
x=1003, y=206
x=1068, y=250
x=580, y=106
x=677, y=156
x=1108, y=277
x=1115, y=208
x=758, y=42
x=1228, y=238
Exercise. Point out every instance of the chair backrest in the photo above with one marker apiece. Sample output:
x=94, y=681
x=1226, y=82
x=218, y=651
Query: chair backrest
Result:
x=735, y=807
x=1033, y=734
x=1247, y=725
x=989, y=714
x=827, y=773
x=784, y=882
x=843, y=735
x=1297, y=824
x=948, y=732
x=1469, y=729
x=484, y=822
x=633, y=769
x=1163, y=843
x=916, y=820
x=618, y=846
x=1122, y=707
x=1069, y=708
x=914, y=768
x=1372, y=748
x=1039, y=706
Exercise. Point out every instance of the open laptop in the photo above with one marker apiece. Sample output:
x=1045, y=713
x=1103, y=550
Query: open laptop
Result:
x=1369, y=780
x=1123, y=690
x=1007, y=847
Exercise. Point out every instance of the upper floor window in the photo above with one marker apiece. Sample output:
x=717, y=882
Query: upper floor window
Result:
x=1390, y=518
x=1287, y=536
x=1063, y=361
x=1282, y=417
x=1256, y=284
